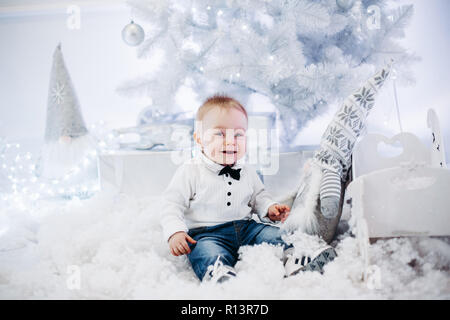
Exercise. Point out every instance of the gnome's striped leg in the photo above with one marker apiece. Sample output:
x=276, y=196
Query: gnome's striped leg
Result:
x=336, y=146
x=330, y=193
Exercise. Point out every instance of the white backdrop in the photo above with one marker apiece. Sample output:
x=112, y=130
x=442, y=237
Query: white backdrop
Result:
x=99, y=61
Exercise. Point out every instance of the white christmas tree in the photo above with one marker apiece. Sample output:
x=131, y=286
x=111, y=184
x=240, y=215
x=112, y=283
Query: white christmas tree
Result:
x=303, y=55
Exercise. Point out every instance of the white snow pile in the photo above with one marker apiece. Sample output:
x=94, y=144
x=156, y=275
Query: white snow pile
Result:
x=111, y=247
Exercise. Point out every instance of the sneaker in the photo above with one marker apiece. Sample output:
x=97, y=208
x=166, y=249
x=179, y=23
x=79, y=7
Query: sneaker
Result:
x=219, y=272
x=295, y=265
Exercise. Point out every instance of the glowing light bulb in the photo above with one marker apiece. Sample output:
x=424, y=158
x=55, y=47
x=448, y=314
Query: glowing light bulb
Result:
x=394, y=74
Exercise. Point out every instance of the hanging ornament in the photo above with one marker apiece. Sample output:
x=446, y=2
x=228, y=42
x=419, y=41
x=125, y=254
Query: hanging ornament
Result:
x=133, y=34
x=345, y=4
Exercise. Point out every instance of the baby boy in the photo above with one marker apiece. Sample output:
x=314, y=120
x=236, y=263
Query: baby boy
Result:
x=208, y=207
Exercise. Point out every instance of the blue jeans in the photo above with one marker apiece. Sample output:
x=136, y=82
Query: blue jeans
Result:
x=225, y=240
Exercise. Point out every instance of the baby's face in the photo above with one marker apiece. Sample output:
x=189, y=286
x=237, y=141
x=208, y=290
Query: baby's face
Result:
x=223, y=137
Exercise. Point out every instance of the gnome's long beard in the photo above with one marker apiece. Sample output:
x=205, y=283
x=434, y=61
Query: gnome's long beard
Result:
x=302, y=217
x=59, y=157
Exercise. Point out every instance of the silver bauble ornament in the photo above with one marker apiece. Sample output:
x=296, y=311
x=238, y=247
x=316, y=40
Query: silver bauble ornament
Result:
x=133, y=34
x=345, y=4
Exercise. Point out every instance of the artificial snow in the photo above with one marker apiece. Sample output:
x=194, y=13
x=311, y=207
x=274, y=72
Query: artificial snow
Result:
x=111, y=247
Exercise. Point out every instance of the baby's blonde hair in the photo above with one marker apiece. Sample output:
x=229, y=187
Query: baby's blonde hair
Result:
x=219, y=100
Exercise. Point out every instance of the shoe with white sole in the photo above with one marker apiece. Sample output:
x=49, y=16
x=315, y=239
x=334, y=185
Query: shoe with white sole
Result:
x=219, y=272
x=321, y=257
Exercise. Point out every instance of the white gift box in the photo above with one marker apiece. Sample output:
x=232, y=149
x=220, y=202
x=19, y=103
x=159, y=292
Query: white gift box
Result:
x=148, y=173
x=138, y=173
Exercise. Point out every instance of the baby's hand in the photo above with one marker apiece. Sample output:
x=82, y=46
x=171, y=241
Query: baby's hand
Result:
x=278, y=212
x=178, y=245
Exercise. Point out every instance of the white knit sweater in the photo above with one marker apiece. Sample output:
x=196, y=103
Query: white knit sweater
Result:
x=197, y=196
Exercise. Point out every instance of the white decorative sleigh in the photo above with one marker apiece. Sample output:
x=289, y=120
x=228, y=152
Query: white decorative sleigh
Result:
x=404, y=195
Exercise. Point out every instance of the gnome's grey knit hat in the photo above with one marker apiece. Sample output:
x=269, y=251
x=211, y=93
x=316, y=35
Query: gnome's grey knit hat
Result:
x=64, y=116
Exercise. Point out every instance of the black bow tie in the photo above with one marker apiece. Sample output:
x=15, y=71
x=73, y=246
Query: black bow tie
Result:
x=234, y=173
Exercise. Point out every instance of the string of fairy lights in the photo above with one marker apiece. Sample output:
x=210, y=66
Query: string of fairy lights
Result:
x=25, y=181
x=19, y=168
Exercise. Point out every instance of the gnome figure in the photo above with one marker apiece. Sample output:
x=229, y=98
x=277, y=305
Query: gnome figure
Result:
x=67, y=141
x=317, y=205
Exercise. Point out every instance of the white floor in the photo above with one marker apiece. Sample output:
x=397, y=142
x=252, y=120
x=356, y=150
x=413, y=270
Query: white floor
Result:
x=111, y=247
